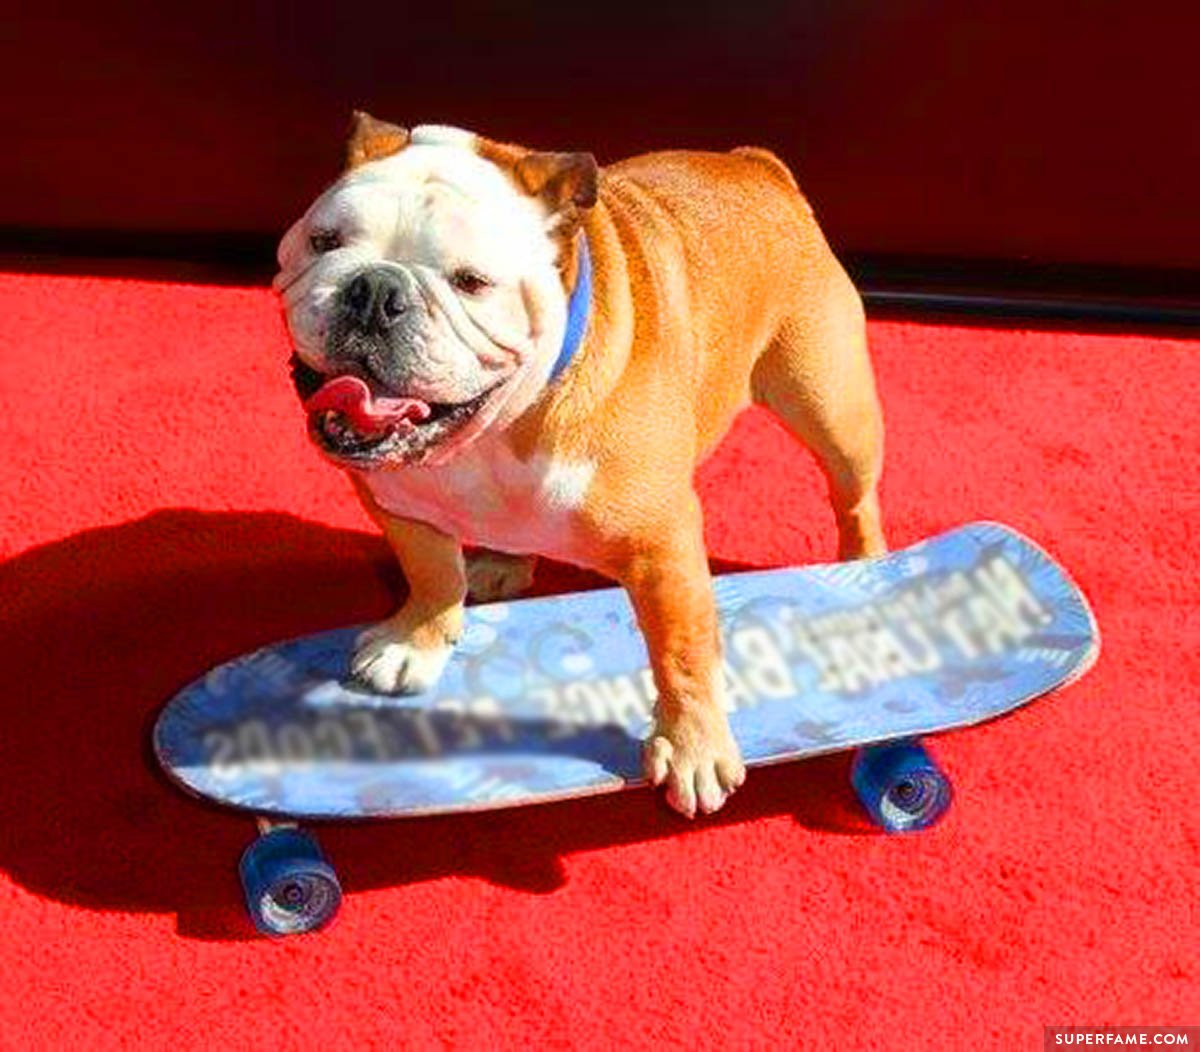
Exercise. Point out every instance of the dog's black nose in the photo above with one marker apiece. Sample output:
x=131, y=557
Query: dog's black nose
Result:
x=375, y=299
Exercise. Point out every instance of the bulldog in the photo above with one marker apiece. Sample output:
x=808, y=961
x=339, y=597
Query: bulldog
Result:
x=528, y=354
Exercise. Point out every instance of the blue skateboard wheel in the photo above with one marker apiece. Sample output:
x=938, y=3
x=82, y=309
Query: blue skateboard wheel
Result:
x=289, y=886
x=901, y=786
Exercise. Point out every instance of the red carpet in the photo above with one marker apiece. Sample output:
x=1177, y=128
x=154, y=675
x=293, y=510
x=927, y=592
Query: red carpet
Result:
x=162, y=513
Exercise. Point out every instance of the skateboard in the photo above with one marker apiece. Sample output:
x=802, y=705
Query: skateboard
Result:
x=550, y=698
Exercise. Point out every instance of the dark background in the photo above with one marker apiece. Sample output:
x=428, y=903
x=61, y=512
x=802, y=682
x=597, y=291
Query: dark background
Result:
x=1004, y=142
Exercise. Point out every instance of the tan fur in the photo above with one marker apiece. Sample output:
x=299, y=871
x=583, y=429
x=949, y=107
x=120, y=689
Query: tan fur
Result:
x=371, y=139
x=433, y=569
x=713, y=286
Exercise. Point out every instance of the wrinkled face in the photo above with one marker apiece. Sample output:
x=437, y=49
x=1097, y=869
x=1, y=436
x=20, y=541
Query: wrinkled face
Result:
x=424, y=302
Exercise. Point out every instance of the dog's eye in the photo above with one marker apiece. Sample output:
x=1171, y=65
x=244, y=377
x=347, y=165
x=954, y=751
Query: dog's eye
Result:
x=469, y=281
x=324, y=241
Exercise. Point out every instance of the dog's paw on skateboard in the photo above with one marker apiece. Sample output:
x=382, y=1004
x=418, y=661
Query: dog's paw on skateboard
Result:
x=389, y=660
x=695, y=756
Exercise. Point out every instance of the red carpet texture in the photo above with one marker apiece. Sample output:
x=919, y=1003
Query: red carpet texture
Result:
x=163, y=512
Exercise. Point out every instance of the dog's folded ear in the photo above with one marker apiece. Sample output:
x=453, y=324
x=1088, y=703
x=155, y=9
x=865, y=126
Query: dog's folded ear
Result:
x=371, y=139
x=564, y=181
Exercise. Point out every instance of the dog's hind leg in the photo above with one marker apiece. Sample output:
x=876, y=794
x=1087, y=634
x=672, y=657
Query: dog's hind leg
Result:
x=492, y=576
x=816, y=376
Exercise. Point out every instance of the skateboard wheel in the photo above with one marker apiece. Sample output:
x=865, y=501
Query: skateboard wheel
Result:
x=900, y=785
x=289, y=886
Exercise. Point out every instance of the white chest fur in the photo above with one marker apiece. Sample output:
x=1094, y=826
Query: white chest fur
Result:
x=487, y=496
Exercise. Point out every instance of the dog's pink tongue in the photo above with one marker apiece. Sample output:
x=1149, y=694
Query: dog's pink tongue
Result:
x=364, y=412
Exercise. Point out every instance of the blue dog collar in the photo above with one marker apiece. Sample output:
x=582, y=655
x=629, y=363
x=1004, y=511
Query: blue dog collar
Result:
x=577, y=311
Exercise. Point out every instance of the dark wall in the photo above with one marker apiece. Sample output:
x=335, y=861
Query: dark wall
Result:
x=1025, y=129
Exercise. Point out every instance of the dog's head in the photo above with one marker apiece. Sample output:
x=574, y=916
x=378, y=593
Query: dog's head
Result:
x=426, y=291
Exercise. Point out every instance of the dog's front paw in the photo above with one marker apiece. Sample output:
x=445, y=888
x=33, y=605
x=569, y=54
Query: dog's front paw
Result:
x=693, y=753
x=389, y=660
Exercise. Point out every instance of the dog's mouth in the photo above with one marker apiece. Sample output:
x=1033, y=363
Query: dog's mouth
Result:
x=354, y=422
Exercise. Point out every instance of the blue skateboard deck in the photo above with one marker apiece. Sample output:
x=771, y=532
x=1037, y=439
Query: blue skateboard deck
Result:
x=550, y=698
